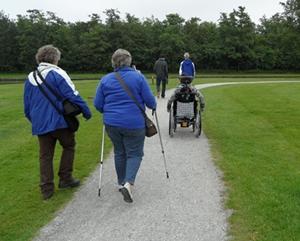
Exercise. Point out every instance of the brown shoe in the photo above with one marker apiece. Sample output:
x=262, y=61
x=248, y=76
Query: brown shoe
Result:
x=69, y=184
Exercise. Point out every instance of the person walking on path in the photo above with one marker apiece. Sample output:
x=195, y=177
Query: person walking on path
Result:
x=161, y=72
x=47, y=123
x=124, y=122
x=187, y=66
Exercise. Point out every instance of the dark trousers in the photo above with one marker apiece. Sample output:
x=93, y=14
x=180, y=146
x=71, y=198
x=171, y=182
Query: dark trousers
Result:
x=47, y=143
x=163, y=86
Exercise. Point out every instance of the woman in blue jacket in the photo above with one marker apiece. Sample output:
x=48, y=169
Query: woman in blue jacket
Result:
x=124, y=122
x=47, y=123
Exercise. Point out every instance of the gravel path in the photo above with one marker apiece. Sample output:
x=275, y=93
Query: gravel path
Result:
x=188, y=206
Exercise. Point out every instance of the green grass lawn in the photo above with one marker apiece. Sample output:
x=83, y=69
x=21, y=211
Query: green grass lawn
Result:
x=22, y=212
x=201, y=75
x=253, y=129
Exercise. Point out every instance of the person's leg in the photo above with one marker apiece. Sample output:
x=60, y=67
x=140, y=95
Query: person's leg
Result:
x=134, y=145
x=163, y=89
x=66, y=139
x=158, y=81
x=119, y=152
x=47, y=146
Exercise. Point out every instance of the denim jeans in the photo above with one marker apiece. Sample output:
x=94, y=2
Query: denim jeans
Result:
x=128, y=150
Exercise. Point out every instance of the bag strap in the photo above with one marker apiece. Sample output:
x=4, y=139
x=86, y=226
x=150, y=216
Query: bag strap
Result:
x=45, y=94
x=127, y=90
x=52, y=90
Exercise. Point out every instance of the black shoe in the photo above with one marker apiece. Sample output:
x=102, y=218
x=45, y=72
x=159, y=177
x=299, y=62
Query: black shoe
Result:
x=47, y=195
x=69, y=184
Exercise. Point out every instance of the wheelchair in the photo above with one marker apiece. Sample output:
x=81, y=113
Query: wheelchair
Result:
x=185, y=112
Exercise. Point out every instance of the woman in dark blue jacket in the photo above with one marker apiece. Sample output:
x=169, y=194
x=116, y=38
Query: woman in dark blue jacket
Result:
x=47, y=123
x=123, y=120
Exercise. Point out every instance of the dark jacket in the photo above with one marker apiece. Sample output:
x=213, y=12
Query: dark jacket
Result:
x=161, y=69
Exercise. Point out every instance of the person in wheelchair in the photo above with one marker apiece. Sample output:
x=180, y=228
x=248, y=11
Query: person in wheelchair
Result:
x=185, y=107
x=185, y=93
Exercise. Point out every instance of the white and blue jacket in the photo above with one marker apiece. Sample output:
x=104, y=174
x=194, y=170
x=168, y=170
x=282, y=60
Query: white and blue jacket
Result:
x=118, y=108
x=187, y=68
x=38, y=109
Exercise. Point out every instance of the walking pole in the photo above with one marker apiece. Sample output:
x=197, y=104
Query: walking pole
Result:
x=162, y=148
x=101, y=160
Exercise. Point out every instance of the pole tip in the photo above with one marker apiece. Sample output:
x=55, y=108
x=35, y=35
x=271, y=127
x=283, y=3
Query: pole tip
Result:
x=99, y=192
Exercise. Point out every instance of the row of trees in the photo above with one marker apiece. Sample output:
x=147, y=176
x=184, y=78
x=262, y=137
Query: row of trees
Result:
x=234, y=43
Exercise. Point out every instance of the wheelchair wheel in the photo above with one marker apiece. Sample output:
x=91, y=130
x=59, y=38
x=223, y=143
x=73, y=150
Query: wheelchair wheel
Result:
x=171, y=123
x=198, y=125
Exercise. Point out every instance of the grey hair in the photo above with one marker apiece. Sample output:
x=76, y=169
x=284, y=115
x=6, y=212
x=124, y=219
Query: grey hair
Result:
x=186, y=55
x=48, y=54
x=121, y=57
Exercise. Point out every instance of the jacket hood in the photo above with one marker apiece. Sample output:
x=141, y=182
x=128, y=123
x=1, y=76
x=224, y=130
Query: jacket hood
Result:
x=188, y=60
x=44, y=69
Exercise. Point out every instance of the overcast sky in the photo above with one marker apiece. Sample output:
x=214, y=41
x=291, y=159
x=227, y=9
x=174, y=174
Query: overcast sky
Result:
x=206, y=10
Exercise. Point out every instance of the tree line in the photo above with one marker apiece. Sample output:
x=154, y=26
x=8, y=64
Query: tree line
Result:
x=235, y=42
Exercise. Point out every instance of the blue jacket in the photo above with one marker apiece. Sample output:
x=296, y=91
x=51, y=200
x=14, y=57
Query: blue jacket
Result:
x=39, y=111
x=118, y=108
x=187, y=68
